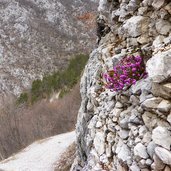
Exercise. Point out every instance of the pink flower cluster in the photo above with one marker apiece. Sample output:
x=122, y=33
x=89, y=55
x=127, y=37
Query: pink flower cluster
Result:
x=125, y=73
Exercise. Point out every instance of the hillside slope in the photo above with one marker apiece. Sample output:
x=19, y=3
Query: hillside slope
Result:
x=39, y=36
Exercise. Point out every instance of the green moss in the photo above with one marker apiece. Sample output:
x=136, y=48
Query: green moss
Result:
x=63, y=92
x=62, y=80
x=23, y=98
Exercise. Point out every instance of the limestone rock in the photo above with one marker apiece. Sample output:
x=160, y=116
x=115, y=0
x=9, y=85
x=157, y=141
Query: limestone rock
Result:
x=147, y=2
x=93, y=122
x=162, y=90
x=103, y=158
x=140, y=151
x=148, y=162
x=118, y=146
x=116, y=112
x=112, y=127
x=99, y=124
x=164, y=106
x=121, y=167
x=149, y=120
x=161, y=136
x=102, y=6
x=132, y=42
x=110, y=106
x=143, y=39
x=142, y=163
x=140, y=86
x=134, y=167
x=158, y=3
x=167, y=40
x=99, y=142
x=142, y=10
x=151, y=103
x=163, y=27
x=118, y=105
x=111, y=137
x=159, y=66
x=124, y=123
x=158, y=164
x=164, y=155
x=168, y=7
x=135, y=118
x=158, y=41
x=90, y=106
x=124, y=134
x=142, y=131
x=124, y=153
x=147, y=138
x=109, y=150
x=151, y=148
x=126, y=126
x=134, y=100
x=144, y=96
x=135, y=26
x=167, y=168
x=132, y=5
x=134, y=131
x=169, y=118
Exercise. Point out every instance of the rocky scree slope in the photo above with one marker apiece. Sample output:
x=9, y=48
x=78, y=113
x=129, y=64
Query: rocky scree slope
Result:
x=130, y=130
x=39, y=36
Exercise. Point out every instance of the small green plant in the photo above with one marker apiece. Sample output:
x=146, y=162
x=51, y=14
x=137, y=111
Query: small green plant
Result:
x=23, y=98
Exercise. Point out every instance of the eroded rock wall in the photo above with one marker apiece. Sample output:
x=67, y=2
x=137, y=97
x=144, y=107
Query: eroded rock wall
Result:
x=128, y=130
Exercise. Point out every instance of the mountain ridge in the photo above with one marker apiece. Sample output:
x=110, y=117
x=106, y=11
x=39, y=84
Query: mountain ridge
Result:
x=39, y=37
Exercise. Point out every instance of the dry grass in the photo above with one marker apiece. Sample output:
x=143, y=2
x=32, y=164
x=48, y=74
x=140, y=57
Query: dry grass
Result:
x=88, y=19
x=67, y=158
x=22, y=126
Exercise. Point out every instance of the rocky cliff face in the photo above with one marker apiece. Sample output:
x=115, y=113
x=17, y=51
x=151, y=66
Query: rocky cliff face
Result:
x=128, y=130
x=38, y=37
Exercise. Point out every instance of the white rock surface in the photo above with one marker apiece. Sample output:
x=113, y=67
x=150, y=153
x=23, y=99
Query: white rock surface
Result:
x=169, y=118
x=161, y=136
x=99, y=143
x=162, y=90
x=124, y=153
x=135, y=26
x=151, y=103
x=102, y=5
x=150, y=148
x=158, y=3
x=163, y=27
x=164, y=155
x=158, y=41
x=140, y=151
x=159, y=66
x=164, y=106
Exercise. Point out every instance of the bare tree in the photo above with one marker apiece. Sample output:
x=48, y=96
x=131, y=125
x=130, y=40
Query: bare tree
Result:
x=22, y=125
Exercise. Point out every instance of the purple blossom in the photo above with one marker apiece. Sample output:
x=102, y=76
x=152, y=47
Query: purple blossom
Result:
x=125, y=73
x=123, y=77
x=134, y=69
